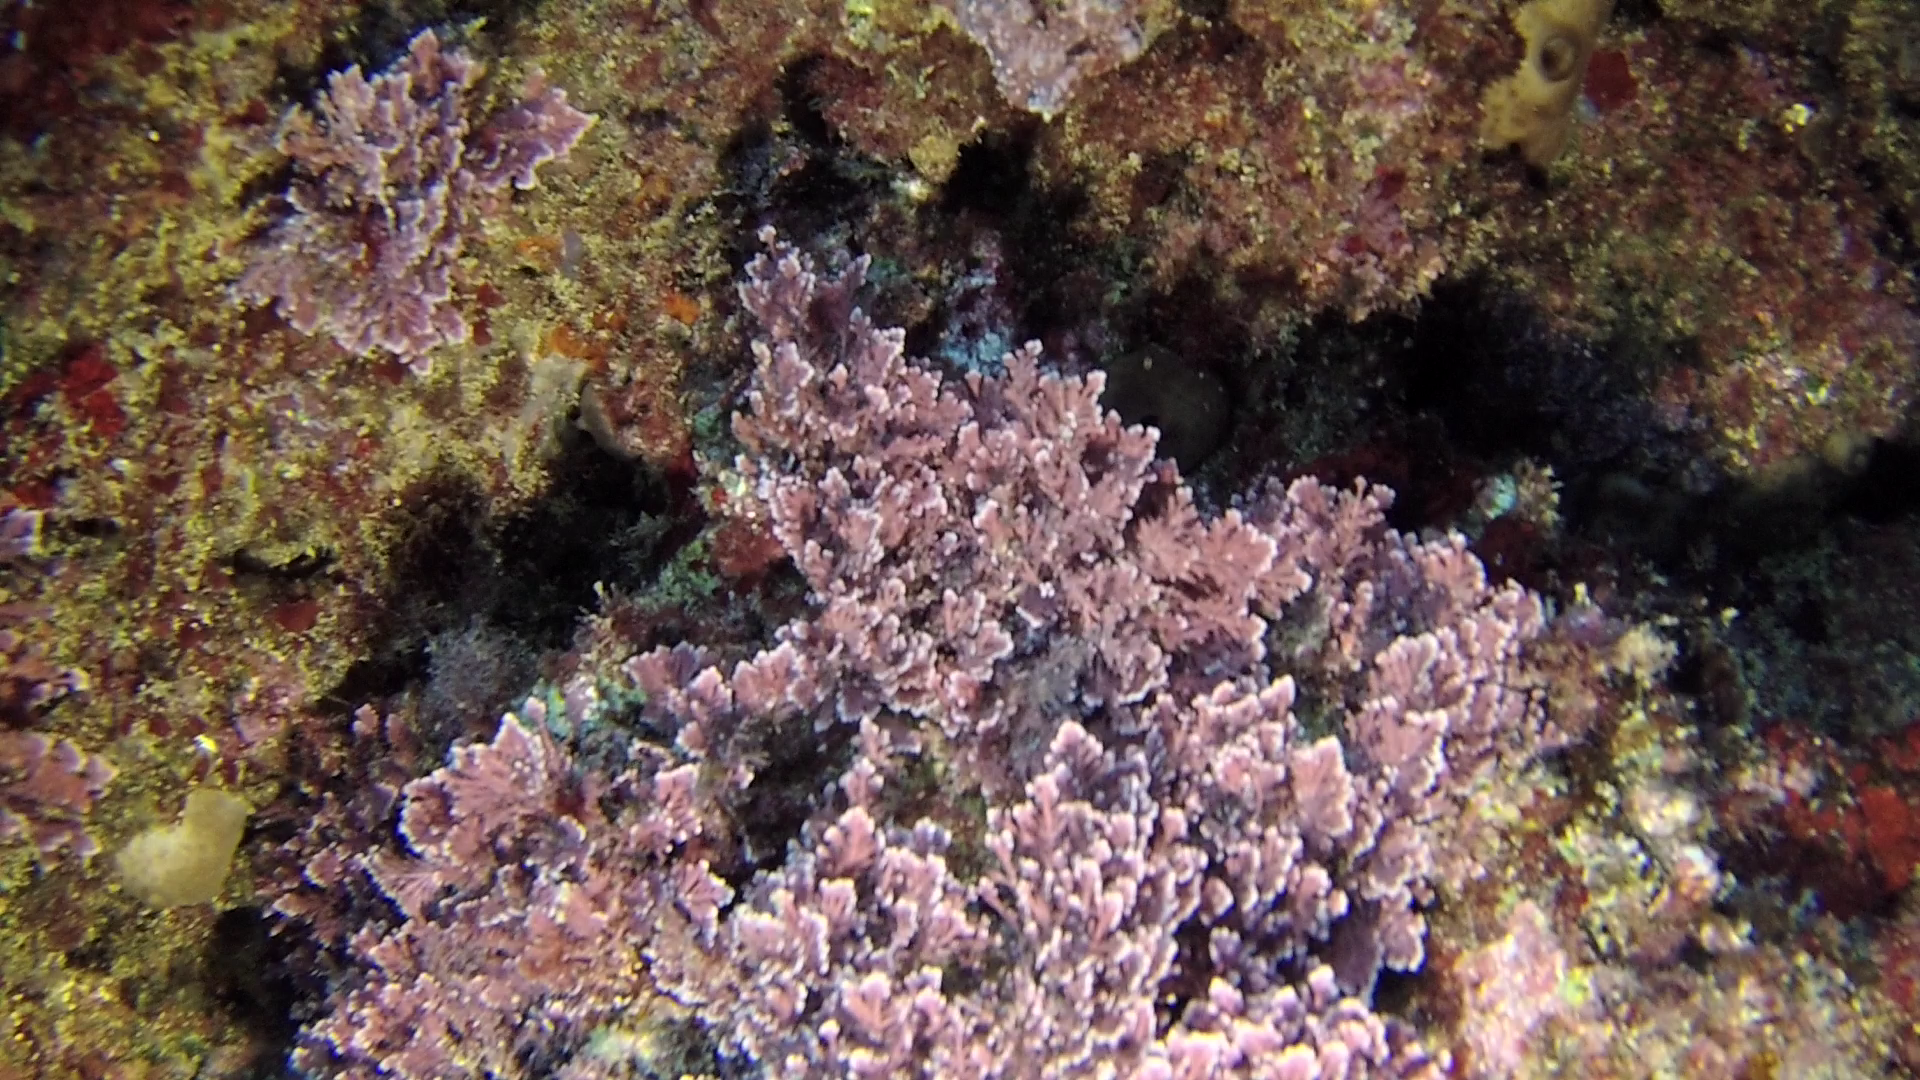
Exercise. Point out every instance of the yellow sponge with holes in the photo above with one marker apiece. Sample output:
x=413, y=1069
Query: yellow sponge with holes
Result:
x=1533, y=107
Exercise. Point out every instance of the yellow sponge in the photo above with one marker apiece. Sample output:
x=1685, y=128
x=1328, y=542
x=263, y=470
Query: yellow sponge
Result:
x=171, y=865
x=1533, y=107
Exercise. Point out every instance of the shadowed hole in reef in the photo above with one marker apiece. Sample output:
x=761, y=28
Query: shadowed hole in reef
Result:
x=992, y=176
x=1887, y=488
x=1211, y=10
x=1506, y=385
x=785, y=793
x=992, y=187
x=378, y=34
x=798, y=174
x=250, y=972
x=513, y=586
x=1502, y=384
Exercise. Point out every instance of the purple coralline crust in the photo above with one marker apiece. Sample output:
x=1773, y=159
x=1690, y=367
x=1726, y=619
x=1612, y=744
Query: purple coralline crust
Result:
x=1512, y=990
x=1040, y=48
x=391, y=177
x=28, y=680
x=1168, y=876
x=47, y=785
x=19, y=534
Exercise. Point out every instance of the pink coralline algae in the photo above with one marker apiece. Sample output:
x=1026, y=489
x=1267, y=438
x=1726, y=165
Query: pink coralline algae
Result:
x=1511, y=989
x=28, y=680
x=19, y=533
x=1197, y=774
x=47, y=784
x=510, y=837
x=1040, y=48
x=391, y=177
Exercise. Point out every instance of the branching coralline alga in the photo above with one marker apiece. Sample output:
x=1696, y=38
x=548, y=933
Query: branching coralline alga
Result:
x=394, y=174
x=1172, y=876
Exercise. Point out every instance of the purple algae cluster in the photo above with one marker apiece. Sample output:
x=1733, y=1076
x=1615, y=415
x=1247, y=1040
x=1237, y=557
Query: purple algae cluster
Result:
x=1128, y=789
x=1040, y=50
x=47, y=783
x=393, y=174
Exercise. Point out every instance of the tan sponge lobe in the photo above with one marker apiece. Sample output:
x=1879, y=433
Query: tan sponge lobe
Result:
x=185, y=863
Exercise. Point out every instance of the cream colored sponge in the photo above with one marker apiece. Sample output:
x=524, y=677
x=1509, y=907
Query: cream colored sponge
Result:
x=172, y=865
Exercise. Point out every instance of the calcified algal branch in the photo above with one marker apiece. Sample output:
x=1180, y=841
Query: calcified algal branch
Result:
x=392, y=174
x=1162, y=874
